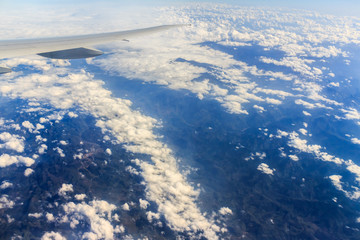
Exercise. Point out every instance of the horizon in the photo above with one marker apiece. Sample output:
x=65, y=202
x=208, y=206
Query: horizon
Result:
x=333, y=7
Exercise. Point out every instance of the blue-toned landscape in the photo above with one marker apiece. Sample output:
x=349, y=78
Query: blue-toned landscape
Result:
x=244, y=125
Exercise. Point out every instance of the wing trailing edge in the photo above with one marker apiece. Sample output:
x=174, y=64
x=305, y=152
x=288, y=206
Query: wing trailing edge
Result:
x=74, y=53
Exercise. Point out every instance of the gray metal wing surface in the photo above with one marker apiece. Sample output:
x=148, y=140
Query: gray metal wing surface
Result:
x=70, y=47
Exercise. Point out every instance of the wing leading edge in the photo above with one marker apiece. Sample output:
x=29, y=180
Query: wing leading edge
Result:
x=71, y=47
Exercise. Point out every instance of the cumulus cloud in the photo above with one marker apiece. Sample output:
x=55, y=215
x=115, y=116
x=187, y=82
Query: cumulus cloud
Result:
x=303, y=131
x=72, y=115
x=116, y=117
x=28, y=125
x=12, y=142
x=225, y=211
x=28, y=172
x=7, y=160
x=263, y=167
x=35, y=215
x=5, y=202
x=98, y=213
x=305, y=104
x=50, y=217
x=301, y=144
x=143, y=203
x=259, y=108
x=306, y=113
x=355, y=140
x=351, y=114
x=273, y=101
x=294, y=157
x=297, y=64
x=59, y=151
x=80, y=197
x=125, y=207
x=65, y=188
x=258, y=155
x=5, y=185
x=278, y=93
x=52, y=236
x=336, y=180
x=152, y=216
x=353, y=168
x=108, y=151
x=42, y=148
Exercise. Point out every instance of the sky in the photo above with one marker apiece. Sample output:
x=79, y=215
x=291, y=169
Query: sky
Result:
x=336, y=7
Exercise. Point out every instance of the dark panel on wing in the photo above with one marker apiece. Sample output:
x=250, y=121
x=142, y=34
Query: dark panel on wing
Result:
x=74, y=53
x=4, y=70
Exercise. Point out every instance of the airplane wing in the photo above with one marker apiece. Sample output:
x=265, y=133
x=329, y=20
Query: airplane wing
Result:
x=71, y=47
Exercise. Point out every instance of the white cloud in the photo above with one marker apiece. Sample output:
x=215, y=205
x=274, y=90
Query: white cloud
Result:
x=5, y=185
x=50, y=217
x=355, y=140
x=80, y=197
x=12, y=142
x=225, y=211
x=332, y=84
x=28, y=125
x=125, y=207
x=259, y=108
x=60, y=151
x=297, y=64
x=52, y=236
x=143, y=203
x=97, y=213
x=65, y=188
x=42, y=148
x=301, y=144
x=353, y=168
x=40, y=139
x=108, y=151
x=336, y=180
x=78, y=156
x=28, y=172
x=306, y=113
x=39, y=126
x=263, y=167
x=152, y=216
x=72, y=115
x=35, y=215
x=351, y=114
x=305, y=104
x=119, y=229
x=7, y=160
x=281, y=134
x=273, y=101
x=303, y=131
x=294, y=157
x=278, y=93
x=132, y=170
x=5, y=202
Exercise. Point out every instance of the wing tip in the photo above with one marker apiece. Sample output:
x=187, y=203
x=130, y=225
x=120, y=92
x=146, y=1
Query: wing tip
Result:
x=4, y=70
